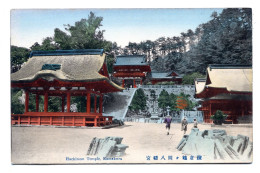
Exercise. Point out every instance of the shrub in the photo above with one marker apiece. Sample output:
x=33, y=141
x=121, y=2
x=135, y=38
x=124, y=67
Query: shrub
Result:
x=218, y=117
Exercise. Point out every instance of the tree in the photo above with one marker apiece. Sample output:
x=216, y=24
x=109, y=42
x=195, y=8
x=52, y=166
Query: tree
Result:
x=183, y=102
x=62, y=39
x=139, y=100
x=19, y=55
x=173, y=102
x=163, y=100
x=85, y=34
x=16, y=106
x=189, y=78
x=225, y=39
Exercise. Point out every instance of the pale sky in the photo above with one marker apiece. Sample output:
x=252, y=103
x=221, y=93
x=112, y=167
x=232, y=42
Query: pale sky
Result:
x=120, y=25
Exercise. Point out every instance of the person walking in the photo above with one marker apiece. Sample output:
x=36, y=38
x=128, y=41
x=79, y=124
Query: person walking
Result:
x=168, y=121
x=184, y=124
x=195, y=123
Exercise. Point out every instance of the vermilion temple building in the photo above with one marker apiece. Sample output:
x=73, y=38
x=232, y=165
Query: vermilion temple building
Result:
x=131, y=70
x=227, y=88
x=63, y=74
x=165, y=77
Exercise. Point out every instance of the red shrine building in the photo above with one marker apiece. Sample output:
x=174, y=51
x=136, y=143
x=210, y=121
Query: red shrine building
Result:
x=131, y=70
x=64, y=74
x=165, y=77
x=227, y=88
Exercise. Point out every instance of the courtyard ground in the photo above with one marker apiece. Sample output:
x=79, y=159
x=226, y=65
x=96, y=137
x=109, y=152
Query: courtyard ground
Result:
x=52, y=145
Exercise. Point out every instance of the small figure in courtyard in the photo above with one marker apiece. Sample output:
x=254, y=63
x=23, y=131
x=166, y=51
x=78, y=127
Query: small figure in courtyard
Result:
x=168, y=121
x=184, y=124
x=195, y=123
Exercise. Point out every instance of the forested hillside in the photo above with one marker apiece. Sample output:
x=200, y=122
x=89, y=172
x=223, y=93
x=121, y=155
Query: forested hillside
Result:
x=225, y=39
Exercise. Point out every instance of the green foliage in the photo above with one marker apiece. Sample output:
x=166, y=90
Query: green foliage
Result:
x=110, y=61
x=139, y=100
x=81, y=102
x=219, y=115
x=225, y=39
x=19, y=55
x=172, y=102
x=163, y=100
x=16, y=106
x=54, y=104
x=189, y=78
x=84, y=34
x=190, y=104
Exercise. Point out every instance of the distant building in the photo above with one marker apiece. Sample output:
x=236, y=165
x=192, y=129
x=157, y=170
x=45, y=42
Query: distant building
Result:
x=64, y=74
x=165, y=77
x=131, y=70
x=227, y=88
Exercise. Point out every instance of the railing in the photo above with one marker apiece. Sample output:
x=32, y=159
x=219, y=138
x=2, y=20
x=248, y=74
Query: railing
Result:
x=61, y=119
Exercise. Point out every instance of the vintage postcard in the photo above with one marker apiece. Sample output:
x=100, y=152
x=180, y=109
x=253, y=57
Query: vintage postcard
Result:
x=95, y=86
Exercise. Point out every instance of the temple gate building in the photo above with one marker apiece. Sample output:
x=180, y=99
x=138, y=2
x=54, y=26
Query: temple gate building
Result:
x=131, y=70
x=63, y=74
x=165, y=77
x=227, y=88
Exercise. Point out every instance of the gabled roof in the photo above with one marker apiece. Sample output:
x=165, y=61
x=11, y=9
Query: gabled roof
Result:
x=75, y=65
x=160, y=75
x=236, y=78
x=163, y=75
x=200, y=84
x=130, y=60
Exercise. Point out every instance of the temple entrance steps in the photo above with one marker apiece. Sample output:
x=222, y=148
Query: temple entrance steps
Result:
x=118, y=108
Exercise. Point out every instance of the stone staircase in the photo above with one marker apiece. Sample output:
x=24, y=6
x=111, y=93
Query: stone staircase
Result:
x=118, y=108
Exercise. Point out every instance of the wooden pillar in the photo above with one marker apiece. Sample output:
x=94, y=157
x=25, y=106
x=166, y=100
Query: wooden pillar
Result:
x=101, y=104
x=62, y=103
x=123, y=83
x=88, y=102
x=29, y=120
x=84, y=121
x=19, y=119
x=73, y=121
x=95, y=121
x=46, y=101
x=68, y=101
x=37, y=102
x=134, y=84
x=210, y=113
x=210, y=109
x=62, y=120
x=242, y=109
x=95, y=104
x=26, y=101
x=141, y=82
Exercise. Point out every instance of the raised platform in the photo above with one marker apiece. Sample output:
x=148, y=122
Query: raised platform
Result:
x=61, y=119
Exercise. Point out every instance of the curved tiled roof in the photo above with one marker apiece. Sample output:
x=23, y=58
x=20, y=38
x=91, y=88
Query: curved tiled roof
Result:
x=200, y=84
x=235, y=78
x=81, y=67
x=130, y=60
